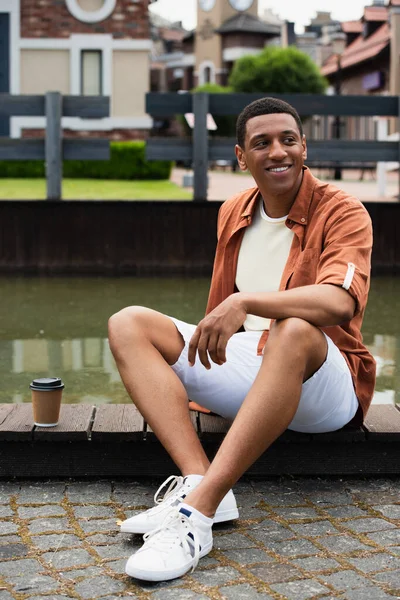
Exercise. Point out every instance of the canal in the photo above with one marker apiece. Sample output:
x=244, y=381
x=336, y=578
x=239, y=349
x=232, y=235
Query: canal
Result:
x=58, y=327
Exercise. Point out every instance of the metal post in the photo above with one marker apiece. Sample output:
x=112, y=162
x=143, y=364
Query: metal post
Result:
x=53, y=145
x=200, y=146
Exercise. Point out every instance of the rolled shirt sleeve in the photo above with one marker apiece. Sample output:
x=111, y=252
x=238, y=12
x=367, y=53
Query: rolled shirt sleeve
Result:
x=346, y=257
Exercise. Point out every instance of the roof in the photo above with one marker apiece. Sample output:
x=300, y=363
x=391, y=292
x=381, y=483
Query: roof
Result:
x=352, y=26
x=376, y=13
x=246, y=23
x=360, y=50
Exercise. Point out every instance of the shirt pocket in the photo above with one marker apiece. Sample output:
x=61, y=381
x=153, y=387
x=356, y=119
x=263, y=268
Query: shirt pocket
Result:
x=305, y=269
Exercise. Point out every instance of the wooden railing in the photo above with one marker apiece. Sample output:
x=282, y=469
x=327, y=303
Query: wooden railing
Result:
x=54, y=149
x=201, y=149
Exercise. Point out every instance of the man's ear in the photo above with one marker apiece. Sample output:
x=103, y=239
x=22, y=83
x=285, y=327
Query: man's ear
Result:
x=304, y=144
x=240, y=158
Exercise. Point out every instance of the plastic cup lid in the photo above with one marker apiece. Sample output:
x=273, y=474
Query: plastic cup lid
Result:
x=47, y=383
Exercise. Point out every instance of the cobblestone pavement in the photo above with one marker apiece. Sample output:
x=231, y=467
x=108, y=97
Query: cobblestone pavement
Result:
x=296, y=539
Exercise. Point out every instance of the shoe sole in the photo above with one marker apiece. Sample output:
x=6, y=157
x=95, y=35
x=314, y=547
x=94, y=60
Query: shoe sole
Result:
x=226, y=515
x=220, y=517
x=166, y=575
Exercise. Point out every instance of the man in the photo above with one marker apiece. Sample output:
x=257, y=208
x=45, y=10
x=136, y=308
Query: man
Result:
x=280, y=346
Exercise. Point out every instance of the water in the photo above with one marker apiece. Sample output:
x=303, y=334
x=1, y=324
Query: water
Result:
x=58, y=327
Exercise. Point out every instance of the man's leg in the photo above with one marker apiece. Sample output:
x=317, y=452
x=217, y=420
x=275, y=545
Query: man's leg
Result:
x=294, y=352
x=144, y=344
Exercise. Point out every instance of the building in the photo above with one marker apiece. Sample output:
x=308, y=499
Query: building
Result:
x=362, y=64
x=226, y=30
x=78, y=47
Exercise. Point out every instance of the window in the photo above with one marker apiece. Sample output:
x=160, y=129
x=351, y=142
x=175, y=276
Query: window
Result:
x=91, y=73
x=207, y=75
x=91, y=16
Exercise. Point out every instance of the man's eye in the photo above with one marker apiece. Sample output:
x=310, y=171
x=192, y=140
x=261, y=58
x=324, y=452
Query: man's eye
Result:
x=289, y=140
x=261, y=143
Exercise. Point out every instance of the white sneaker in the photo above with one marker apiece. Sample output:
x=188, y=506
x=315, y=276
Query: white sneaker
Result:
x=177, y=491
x=174, y=548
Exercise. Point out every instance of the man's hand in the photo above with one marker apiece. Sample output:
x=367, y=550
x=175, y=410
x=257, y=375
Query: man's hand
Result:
x=213, y=332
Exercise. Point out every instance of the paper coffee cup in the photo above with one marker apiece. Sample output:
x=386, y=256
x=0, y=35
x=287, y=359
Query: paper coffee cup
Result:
x=46, y=400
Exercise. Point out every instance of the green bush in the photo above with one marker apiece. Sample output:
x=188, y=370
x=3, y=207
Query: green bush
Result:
x=127, y=161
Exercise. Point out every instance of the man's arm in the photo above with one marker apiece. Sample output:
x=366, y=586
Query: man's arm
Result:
x=321, y=305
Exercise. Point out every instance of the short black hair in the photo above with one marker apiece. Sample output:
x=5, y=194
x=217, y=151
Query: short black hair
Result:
x=264, y=106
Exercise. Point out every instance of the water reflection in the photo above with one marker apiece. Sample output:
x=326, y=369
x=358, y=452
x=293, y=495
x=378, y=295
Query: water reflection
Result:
x=57, y=327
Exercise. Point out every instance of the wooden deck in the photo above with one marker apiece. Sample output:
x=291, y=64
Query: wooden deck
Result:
x=114, y=441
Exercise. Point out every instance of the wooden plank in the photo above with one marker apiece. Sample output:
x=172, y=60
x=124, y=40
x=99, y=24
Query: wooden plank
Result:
x=142, y=459
x=200, y=147
x=86, y=107
x=290, y=437
x=117, y=423
x=74, y=425
x=93, y=149
x=16, y=424
x=150, y=436
x=21, y=106
x=382, y=423
x=212, y=427
x=342, y=436
x=311, y=104
x=341, y=151
x=168, y=149
x=306, y=104
x=5, y=410
x=21, y=149
x=168, y=104
x=95, y=107
x=53, y=146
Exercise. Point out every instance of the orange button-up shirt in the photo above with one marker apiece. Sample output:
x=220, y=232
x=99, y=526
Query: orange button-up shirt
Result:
x=332, y=244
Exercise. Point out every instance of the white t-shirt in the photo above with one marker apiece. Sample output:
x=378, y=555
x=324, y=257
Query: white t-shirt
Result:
x=262, y=257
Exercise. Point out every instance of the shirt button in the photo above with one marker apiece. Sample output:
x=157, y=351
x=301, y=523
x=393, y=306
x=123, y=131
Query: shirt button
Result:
x=303, y=220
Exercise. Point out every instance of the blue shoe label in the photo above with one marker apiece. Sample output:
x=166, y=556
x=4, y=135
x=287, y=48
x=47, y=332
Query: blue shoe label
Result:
x=185, y=511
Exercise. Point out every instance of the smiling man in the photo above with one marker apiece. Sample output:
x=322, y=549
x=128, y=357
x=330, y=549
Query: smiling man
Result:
x=280, y=346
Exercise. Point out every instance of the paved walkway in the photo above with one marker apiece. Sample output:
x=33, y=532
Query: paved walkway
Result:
x=223, y=184
x=295, y=540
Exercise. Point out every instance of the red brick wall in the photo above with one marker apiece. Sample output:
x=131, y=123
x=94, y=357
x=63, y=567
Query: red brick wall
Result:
x=52, y=19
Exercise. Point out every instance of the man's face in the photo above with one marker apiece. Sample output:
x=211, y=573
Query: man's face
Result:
x=274, y=153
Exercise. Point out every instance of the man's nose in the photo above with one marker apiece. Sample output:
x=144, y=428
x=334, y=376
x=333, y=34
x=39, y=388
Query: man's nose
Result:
x=277, y=150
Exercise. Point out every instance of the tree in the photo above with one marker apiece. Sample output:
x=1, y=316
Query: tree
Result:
x=277, y=70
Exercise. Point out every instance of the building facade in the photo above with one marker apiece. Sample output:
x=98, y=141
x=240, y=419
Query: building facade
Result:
x=226, y=30
x=78, y=47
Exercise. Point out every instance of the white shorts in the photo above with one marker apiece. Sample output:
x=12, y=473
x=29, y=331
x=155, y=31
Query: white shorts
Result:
x=327, y=403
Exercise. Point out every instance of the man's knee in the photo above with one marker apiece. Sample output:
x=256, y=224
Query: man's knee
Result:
x=129, y=323
x=292, y=327
x=301, y=340
x=134, y=326
x=297, y=333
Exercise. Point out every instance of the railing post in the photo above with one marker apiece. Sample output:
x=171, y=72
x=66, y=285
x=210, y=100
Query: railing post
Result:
x=382, y=130
x=398, y=129
x=53, y=151
x=200, y=146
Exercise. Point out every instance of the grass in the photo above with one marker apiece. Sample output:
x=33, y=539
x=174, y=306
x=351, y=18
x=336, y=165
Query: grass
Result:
x=94, y=189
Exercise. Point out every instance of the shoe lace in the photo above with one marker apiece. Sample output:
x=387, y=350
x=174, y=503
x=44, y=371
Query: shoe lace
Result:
x=175, y=527
x=175, y=483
